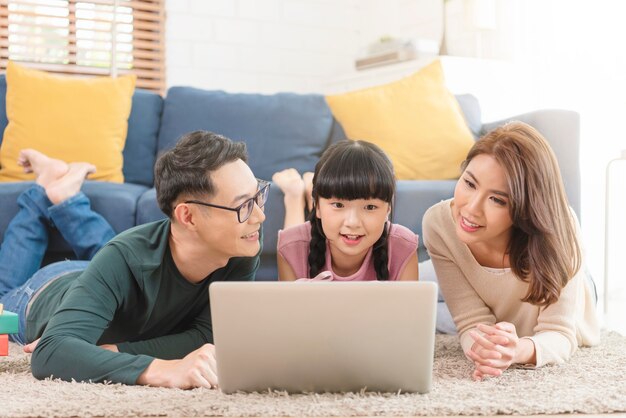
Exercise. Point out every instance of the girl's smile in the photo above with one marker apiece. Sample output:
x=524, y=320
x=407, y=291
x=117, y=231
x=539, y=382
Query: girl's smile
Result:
x=352, y=239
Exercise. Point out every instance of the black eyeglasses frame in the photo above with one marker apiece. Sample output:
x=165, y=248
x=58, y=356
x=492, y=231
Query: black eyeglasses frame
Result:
x=263, y=191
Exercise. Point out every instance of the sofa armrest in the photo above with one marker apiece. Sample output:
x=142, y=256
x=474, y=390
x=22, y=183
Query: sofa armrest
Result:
x=562, y=130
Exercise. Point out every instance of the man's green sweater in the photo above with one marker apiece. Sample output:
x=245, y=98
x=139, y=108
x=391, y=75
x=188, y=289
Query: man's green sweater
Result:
x=132, y=295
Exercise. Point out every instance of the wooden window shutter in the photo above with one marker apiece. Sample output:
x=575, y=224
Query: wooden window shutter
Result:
x=86, y=38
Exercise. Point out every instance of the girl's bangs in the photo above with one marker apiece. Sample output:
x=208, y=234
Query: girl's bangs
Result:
x=353, y=179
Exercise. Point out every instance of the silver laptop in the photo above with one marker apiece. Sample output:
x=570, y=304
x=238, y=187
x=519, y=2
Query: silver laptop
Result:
x=324, y=336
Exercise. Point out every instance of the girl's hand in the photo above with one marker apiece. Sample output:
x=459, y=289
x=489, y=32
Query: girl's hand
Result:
x=494, y=351
x=324, y=276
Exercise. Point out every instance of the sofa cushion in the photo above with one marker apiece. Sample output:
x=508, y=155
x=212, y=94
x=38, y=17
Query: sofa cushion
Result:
x=74, y=119
x=116, y=202
x=281, y=130
x=415, y=120
x=468, y=103
x=3, y=106
x=141, y=142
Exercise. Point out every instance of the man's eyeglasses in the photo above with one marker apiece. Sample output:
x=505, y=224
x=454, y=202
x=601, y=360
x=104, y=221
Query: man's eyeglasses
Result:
x=245, y=209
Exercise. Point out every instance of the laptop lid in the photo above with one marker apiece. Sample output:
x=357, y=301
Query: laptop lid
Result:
x=324, y=336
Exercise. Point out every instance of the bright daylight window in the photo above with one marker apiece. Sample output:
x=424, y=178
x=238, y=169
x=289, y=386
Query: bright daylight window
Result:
x=96, y=37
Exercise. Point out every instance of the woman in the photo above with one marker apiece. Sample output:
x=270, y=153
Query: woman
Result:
x=508, y=259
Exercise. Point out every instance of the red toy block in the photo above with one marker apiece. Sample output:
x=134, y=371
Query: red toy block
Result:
x=4, y=345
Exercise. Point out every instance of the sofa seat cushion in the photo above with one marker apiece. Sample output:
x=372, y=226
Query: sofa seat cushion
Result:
x=117, y=203
x=281, y=130
x=73, y=119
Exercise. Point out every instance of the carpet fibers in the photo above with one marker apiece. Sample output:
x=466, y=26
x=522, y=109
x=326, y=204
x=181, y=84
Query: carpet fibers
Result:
x=593, y=382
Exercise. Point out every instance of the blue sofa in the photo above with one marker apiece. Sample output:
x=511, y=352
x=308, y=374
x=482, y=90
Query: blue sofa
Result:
x=281, y=130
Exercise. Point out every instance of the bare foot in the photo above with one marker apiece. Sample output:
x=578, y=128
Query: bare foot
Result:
x=290, y=182
x=46, y=169
x=29, y=348
x=69, y=185
x=292, y=185
x=308, y=189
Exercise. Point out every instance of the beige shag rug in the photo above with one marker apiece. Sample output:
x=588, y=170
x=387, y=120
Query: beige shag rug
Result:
x=593, y=382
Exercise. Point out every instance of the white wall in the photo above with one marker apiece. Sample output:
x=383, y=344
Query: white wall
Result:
x=400, y=19
x=282, y=45
x=571, y=54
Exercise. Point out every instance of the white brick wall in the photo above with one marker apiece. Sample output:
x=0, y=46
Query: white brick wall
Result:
x=268, y=46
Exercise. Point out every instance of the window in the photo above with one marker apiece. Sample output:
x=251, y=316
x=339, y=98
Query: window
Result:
x=86, y=38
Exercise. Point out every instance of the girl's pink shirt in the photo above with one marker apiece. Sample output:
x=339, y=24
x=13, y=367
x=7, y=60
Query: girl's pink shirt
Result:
x=293, y=246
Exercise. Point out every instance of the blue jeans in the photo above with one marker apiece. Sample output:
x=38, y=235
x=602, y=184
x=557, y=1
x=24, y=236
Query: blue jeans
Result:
x=26, y=240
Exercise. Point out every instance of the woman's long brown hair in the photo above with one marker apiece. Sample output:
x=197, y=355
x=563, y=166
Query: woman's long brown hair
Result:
x=544, y=249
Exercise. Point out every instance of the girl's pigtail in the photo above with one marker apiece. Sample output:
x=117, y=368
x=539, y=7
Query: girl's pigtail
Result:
x=381, y=257
x=317, y=247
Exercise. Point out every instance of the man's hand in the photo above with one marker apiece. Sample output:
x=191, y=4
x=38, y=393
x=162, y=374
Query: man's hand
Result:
x=197, y=369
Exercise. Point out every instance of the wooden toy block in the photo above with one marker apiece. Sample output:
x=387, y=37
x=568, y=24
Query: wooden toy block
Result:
x=4, y=345
x=8, y=323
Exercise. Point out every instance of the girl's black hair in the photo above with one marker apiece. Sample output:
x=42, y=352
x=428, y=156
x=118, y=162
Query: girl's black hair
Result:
x=351, y=170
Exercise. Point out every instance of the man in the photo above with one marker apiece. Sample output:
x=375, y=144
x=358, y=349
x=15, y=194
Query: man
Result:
x=139, y=312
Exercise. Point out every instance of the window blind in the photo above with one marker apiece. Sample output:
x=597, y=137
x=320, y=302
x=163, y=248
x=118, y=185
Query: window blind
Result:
x=86, y=38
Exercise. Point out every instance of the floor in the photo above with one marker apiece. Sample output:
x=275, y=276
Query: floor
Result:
x=615, y=415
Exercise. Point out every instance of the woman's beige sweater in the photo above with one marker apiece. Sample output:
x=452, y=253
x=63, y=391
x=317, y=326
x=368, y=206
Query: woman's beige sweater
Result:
x=477, y=295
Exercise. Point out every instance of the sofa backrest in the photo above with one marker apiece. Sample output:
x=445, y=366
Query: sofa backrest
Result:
x=3, y=105
x=280, y=130
x=471, y=110
x=141, y=139
x=300, y=126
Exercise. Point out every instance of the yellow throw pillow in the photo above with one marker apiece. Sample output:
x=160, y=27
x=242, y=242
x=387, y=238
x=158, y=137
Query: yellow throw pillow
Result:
x=67, y=118
x=416, y=121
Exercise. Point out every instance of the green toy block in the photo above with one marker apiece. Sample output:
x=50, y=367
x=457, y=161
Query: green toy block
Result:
x=8, y=323
x=4, y=345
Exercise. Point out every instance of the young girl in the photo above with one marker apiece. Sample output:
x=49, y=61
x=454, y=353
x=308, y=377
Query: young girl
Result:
x=349, y=236
x=507, y=255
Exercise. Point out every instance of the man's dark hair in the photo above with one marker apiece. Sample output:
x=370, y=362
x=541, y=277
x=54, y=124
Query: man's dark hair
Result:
x=185, y=169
